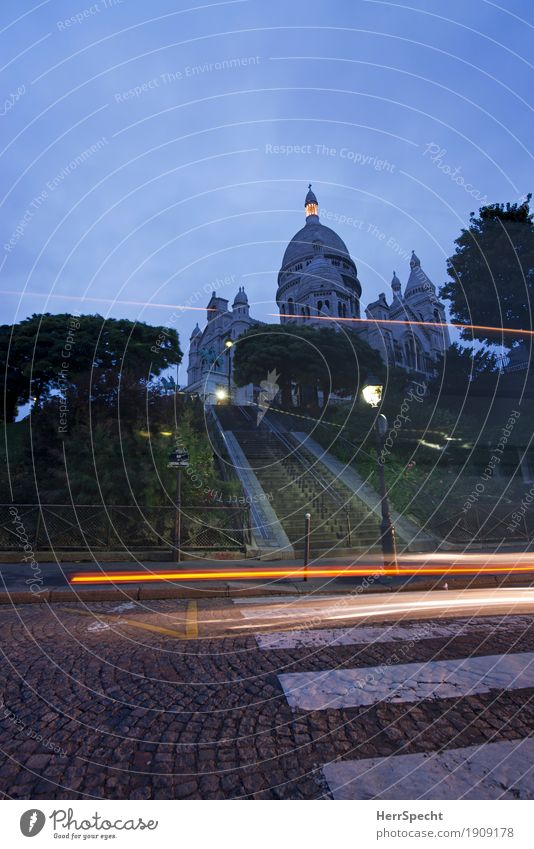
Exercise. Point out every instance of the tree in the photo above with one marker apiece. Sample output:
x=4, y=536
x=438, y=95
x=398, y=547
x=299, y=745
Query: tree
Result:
x=492, y=273
x=312, y=358
x=15, y=386
x=47, y=353
x=461, y=370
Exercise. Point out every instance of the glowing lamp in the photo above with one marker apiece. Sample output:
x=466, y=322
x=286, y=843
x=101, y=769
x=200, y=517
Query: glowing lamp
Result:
x=372, y=394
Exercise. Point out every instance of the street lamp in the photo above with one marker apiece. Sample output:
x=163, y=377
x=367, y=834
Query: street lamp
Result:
x=372, y=394
x=178, y=459
x=229, y=345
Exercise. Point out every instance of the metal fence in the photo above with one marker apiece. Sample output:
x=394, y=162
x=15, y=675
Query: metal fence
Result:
x=491, y=524
x=99, y=527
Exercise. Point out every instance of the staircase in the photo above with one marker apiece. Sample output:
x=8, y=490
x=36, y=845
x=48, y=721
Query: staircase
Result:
x=297, y=484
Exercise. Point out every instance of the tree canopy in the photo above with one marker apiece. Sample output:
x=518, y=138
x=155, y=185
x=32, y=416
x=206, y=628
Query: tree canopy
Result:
x=492, y=273
x=48, y=352
x=312, y=358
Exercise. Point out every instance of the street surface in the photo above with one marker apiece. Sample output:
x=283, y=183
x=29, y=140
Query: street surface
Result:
x=391, y=696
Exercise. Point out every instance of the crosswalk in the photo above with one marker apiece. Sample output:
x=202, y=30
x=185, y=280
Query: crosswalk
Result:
x=408, y=682
x=502, y=770
x=492, y=768
x=361, y=635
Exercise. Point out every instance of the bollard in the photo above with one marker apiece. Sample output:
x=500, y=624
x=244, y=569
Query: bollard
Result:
x=307, y=524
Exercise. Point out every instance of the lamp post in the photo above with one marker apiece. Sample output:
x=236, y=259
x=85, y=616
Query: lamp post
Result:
x=179, y=459
x=372, y=394
x=229, y=345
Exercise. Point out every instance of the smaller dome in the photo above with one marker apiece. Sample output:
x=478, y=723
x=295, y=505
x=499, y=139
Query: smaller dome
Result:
x=395, y=283
x=196, y=331
x=415, y=262
x=241, y=298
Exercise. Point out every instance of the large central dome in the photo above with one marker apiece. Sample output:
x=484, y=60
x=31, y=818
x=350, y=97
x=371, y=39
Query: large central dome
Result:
x=304, y=243
x=313, y=237
x=318, y=276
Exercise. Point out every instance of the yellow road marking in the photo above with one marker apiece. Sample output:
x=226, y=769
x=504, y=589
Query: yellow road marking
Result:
x=191, y=621
x=133, y=622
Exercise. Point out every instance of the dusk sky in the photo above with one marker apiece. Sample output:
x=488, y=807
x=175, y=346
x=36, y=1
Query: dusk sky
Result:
x=152, y=152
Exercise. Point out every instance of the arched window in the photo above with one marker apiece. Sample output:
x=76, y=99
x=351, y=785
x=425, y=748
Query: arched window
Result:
x=344, y=310
x=414, y=354
x=290, y=306
x=319, y=306
x=398, y=352
x=437, y=316
x=409, y=352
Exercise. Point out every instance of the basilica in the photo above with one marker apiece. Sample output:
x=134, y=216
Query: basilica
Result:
x=318, y=285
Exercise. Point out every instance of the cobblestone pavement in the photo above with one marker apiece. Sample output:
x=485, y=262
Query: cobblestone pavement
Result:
x=115, y=701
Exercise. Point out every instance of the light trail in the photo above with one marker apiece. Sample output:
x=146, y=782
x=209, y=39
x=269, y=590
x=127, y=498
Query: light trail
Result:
x=109, y=301
x=396, y=608
x=251, y=574
x=517, y=330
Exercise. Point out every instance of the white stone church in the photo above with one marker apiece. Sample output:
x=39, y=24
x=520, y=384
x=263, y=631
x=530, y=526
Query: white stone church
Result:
x=318, y=285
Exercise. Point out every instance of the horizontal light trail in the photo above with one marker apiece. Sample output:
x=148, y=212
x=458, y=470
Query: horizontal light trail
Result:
x=502, y=770
x=111, y=301
x=444, y=604
x=407, y=321
x=317, y=572
x=407, y=682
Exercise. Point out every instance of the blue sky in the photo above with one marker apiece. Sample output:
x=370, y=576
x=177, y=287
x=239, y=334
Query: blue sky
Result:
x=153, y=152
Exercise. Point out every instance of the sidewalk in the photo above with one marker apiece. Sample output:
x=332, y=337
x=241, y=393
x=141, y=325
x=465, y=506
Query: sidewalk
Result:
x=20, y=584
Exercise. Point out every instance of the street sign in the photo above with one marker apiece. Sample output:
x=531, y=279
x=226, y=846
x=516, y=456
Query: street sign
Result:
x=179, y=459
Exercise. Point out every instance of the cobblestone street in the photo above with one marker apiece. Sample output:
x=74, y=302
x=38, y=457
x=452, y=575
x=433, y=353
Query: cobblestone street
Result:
x=132, y=701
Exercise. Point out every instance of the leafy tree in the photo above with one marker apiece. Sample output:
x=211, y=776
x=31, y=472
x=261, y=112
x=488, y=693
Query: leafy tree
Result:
x=15, y=386
x=492, y=272
x=314, y=358
x=461, y=370
x=47, y=353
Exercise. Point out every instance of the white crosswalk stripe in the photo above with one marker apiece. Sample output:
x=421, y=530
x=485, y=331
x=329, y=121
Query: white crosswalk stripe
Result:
x=362, y=635
x=408, y=682
x=503, y=770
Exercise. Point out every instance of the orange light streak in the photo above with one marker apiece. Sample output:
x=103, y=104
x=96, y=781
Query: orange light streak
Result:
x=109, y=301
x=409, y=322
x=250, y=574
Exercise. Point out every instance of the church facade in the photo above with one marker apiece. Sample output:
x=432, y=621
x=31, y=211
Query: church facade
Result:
x=211, y=351
x=318, y=285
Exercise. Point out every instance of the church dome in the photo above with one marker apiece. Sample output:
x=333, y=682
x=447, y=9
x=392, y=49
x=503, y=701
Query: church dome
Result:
x=313, y=238
x=304, y=243
x=196, y=331
x=241, y=298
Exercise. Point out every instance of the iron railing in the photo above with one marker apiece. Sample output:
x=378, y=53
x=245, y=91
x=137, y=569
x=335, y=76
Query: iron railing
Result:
x=486, y=524
x=68, y=527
